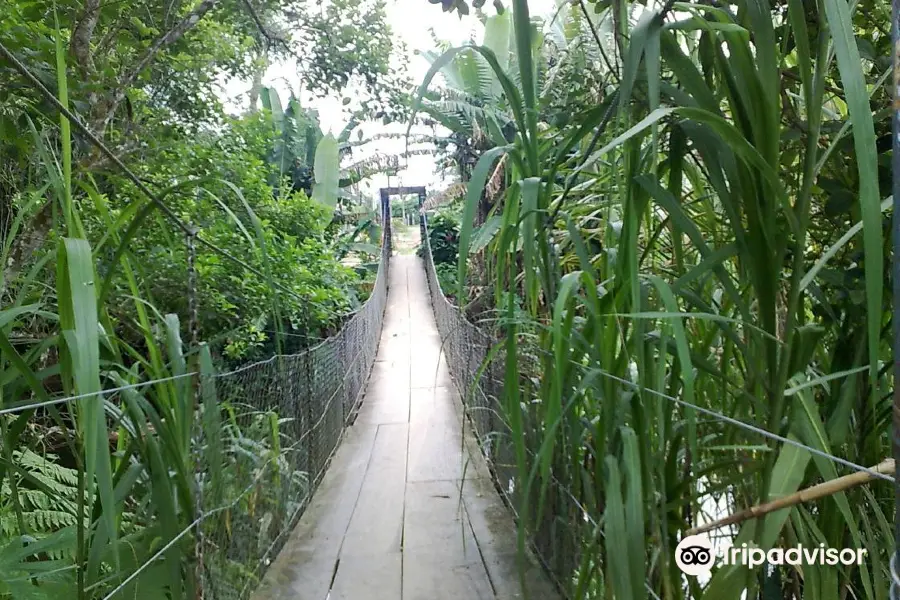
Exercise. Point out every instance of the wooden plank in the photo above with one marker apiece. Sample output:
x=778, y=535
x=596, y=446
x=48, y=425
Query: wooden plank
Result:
x=297, y=575
x=430, y=404
x=436, y=523
x=368, y=578
x=435, y=452
x=433, y=578
x=377, y=523
x=322, y=526
x=495, y=533
x=387, y=407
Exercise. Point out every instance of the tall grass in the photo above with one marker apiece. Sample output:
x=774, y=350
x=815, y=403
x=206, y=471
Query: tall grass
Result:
x=150, y=467
x=700, y=297
x=124, y=419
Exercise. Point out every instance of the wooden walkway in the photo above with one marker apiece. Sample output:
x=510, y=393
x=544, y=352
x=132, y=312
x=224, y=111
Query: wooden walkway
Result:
x=407, y=510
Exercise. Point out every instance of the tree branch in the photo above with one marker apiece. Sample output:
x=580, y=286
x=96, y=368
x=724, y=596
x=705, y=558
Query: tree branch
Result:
x=170, y=37
x=80, y=42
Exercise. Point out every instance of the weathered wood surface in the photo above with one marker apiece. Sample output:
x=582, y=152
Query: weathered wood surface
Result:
x=406, y=510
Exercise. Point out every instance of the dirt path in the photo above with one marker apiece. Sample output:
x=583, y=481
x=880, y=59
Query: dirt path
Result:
x=406, y=238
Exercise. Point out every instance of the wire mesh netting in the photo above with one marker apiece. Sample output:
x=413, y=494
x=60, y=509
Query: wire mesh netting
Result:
x=478, y=374
x=566, y=534
x=281, y=420
x=210, y=471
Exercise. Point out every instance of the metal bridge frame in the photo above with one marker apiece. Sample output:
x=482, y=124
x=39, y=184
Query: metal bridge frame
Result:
x=386, y=194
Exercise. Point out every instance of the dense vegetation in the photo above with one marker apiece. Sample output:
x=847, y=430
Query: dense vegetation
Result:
x=688, y=204
x=140, y=215
x=674, y=213
x=443, y=238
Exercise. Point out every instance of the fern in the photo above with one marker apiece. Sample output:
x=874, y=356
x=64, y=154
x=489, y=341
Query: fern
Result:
x=47, y=494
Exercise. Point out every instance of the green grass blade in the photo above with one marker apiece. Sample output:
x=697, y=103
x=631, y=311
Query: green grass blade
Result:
x=80, y=324
x=618, y=567
x=183, y=409
x=634, y=512
x=65, y=131
x=850, y=67
x=523, y=38
x=212, y=424
x=531, y=189
x=684, y=357
x=473, y=197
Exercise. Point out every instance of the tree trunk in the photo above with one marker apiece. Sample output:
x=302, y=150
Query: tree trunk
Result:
x=29, y=239
x=80, y=41
x=170, y=37
x=261, y=66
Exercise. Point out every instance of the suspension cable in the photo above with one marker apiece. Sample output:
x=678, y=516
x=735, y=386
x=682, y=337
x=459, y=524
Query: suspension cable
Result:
x=141, y=186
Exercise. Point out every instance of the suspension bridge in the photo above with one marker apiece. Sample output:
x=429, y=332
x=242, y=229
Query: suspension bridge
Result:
x=407, y=508
x=365, y=467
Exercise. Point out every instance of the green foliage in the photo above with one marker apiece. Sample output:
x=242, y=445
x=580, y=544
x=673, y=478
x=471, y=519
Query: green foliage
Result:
x=47, y=494
x=446, y=273
x=234, y=307
x=348, y=44
x=95, y=291
x=665, y=242
x=443, y=235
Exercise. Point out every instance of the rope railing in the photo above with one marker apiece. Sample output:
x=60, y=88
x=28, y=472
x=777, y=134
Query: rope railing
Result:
x=258, y=440
x=291, y=411
x=467, y=348
x=477, y=369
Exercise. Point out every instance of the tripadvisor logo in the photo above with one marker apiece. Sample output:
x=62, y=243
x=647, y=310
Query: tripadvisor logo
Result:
x=696, y=556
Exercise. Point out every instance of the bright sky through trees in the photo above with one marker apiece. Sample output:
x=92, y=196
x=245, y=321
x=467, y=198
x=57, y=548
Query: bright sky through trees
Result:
x=412, y=21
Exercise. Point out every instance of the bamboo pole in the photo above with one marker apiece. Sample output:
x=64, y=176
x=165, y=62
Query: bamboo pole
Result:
x=828, y=488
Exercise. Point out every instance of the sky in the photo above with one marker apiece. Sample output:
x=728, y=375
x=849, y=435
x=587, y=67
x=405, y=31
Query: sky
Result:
x=410, y=21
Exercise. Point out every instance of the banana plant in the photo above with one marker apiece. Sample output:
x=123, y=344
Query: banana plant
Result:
x=327, y=172
x=472, y=103
x=297, y=135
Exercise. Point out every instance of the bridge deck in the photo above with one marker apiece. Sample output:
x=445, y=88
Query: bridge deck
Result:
x=407, y=510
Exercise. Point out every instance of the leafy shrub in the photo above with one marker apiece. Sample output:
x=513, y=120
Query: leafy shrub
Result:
x=446, y=274
x=443, y=235
x=234, y=204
